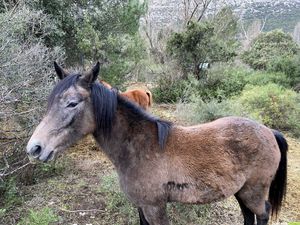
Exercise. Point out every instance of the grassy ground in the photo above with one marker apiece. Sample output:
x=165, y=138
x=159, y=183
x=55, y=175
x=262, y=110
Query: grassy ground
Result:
x=81, y=187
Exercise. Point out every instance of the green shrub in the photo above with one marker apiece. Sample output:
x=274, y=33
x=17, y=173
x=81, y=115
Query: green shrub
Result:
x=268, y=46
x=263, y=78
x=201, y=43
x=290, y=66
x=273, y=105
x=169, y=90
x=223, y=81
x=44, y=216
x=198, y=111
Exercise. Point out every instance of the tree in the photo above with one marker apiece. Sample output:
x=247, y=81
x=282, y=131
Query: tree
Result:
x=268, y=46
x=97, y=30
x=203, y=42
x=194, y=10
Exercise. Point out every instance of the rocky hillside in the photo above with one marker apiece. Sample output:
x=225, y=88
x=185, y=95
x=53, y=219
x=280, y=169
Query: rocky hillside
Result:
x=283, y=14
x=278, y=14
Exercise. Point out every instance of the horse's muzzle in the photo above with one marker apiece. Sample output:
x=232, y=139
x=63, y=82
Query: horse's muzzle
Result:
x=36, y=151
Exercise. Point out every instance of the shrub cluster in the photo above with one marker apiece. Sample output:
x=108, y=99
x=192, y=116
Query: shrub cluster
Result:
x=264, y=96
x=273, y=105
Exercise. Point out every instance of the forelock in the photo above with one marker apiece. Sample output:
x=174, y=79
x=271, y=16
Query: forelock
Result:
x=61, y=87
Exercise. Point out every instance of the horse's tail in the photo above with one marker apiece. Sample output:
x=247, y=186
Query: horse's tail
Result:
x=149, y=97
x=278, y=186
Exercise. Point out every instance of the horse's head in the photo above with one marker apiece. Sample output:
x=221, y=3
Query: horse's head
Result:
x=69, y=115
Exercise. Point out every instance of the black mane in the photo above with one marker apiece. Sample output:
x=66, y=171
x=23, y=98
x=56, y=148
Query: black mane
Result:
x=138, y=114
x=105, y=103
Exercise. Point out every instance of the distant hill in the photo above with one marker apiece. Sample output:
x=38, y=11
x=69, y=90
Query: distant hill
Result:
x=278, y=14
x=282, y=14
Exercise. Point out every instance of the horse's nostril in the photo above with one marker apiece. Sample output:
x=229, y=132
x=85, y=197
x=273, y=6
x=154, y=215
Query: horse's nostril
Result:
x=50, y=156
x=36, y=151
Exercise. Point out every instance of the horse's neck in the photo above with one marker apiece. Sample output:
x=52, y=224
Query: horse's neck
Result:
x=127, y=141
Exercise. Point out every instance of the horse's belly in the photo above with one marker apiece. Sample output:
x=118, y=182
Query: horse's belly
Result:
x=199, y=194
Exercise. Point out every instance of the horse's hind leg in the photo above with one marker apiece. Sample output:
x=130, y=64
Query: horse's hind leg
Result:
x=264, y=218
x=143, y=220
x=254, y=198
x=248, y=215
x=156, y=215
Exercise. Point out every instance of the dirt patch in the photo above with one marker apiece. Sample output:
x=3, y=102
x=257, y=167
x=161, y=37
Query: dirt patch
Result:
x=291, y=207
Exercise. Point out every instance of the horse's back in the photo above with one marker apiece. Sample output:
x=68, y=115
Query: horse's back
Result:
x=222, y=155
x=233, y=136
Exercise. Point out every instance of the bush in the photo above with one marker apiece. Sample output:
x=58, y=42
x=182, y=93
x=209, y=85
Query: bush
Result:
x=263, y=78
x=198, y=44
x=273, y=105
x=290, y=66
x=222, y=81
x=169, y=90
x=199, y=111
x=268, y=46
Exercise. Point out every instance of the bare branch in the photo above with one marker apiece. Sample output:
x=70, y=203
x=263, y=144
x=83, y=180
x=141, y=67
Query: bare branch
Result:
x=81, y=210
x=204, y=8
x=15, y=170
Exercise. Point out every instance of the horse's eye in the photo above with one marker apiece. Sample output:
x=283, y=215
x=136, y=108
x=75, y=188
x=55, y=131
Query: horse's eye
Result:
x=72, y=104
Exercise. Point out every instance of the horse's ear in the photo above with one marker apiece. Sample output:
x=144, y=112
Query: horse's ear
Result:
x=92, y=75
x=61, y=73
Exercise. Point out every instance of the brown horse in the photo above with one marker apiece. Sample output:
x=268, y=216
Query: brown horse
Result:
x=139, y=96
x=159, y=162
x=106, y=84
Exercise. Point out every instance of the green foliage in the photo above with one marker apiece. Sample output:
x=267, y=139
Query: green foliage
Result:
x=98, y=31
x=125, y=53
x=169, y=89
x=198, y=111
x=44, y=216
x=273, y=105
x=9, y=194
x=268, y=46
x=290, y=66
x=222, y=81
x=225, y=25
x=200, y=43
x=242, y=92
x=263, y=77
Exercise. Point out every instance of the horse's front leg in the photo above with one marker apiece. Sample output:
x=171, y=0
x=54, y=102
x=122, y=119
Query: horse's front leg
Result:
x=155, y=215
